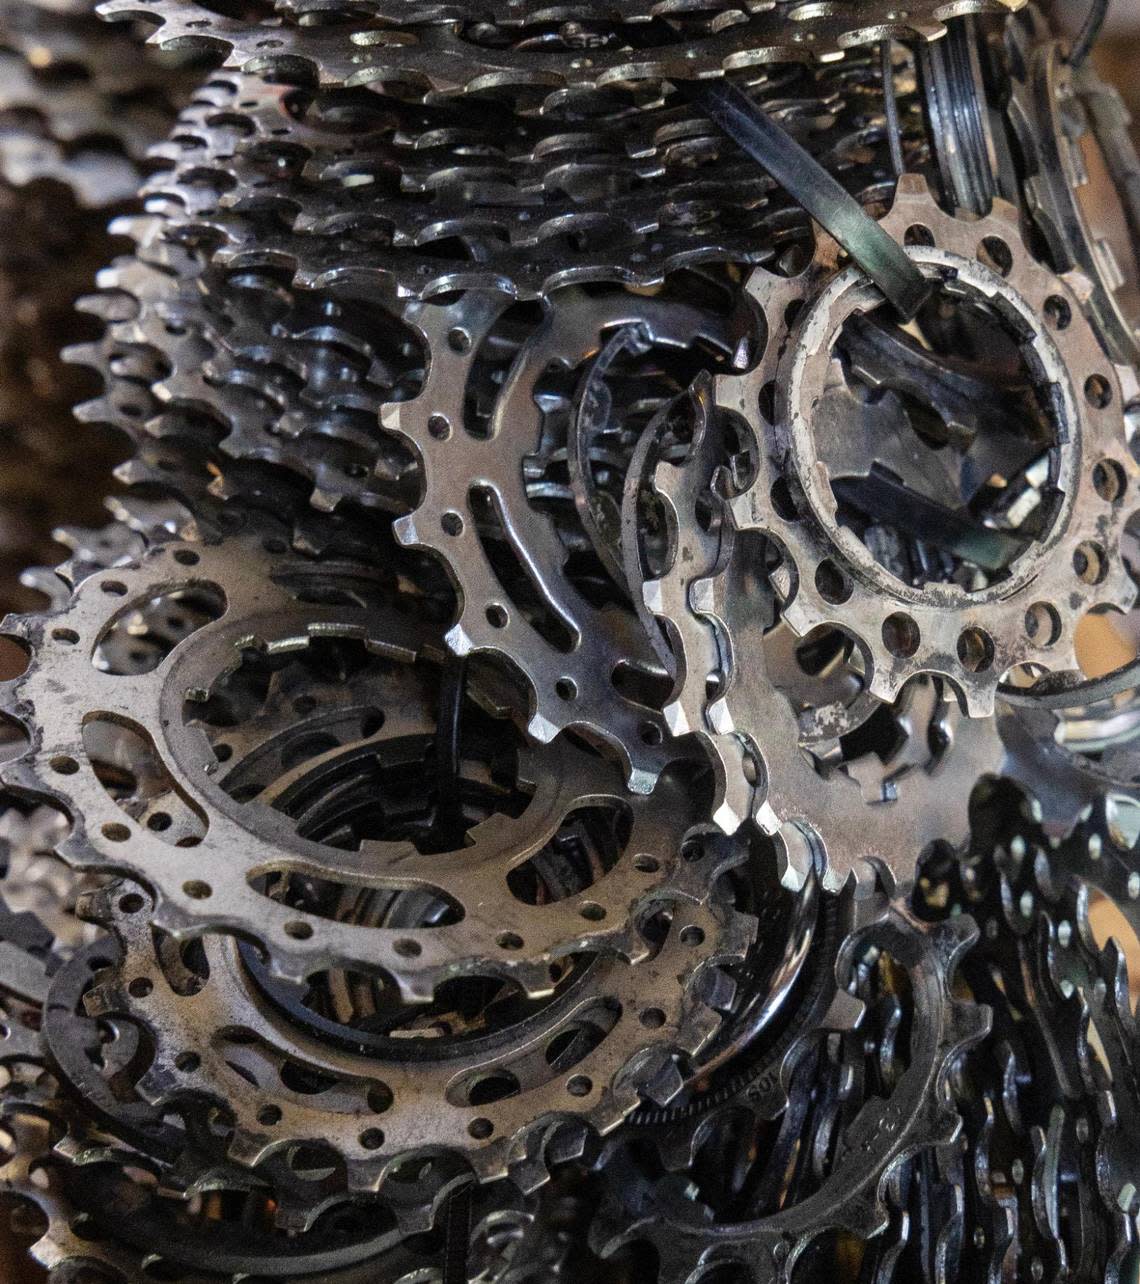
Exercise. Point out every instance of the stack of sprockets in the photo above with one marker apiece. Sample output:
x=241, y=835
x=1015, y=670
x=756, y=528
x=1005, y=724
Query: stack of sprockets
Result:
x=572, y=761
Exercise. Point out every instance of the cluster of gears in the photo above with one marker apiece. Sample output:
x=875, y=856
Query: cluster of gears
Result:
x=572, y=760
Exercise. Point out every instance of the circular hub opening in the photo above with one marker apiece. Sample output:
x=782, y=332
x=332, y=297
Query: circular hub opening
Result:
x=940, y=439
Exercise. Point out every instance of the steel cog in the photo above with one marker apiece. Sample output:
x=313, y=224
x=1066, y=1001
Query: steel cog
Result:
x=830, y=577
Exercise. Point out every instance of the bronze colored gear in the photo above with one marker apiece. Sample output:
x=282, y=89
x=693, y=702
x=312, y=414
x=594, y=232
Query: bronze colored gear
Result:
x=446, y=58
x=829, y=578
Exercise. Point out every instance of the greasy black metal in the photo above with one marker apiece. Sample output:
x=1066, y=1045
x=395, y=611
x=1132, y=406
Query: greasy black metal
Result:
x=1087, y=35
x=891, y=107
x=922, y=519
x=457, y=1235
x=1066, y=691
x=449, y=825
x=805, y=180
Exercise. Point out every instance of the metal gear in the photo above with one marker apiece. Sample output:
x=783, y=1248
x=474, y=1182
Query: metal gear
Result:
x=830, y=577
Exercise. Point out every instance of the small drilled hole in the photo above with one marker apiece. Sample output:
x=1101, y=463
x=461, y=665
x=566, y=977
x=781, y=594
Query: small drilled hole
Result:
x=833, y=585
x=116, y=588
x=68, y=636
x=566, y=688
x=591, y=911
x=692, y=935
x=996, y=255
x=187, y=1062
x=408, y=949
x=158, y=821
x=1109, y=480
x=1090, y=562
x=64, y=765
x=131, y=903
x=116, y=833
x=653, y=1018
x=197, y=890
x=975, y=650
x=1058, y=313
x=509, y=941
x=440, y=427
x=497, y=616
x=646, y=864
x=298, y=931
x=372, y=1138
x=900, y=635
x=267, y=1116
x=452, y=524
x=1098, y=391
x=140, y=987
x=458, y=340
x=480, y=1128
x=1042, y=624
x=186, y=557
x=650, y=733
x=579, y=1086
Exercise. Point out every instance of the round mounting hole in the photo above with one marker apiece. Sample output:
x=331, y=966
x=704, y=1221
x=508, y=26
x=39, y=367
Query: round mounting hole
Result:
x=480, y=1128
x=650, y=733
x=692, y=849
x=115, y=832
x=900, y=635
x=1098, y=391
x=646, y=864
x=187, y=1062
x=458, y=340
x=653, y=1018
x=996, y=255
x=68, y=637
x=1108, y=480
x=140, y=987
x=186, y=557
x=579, y=1086
x=1090, y=562
x=268, y=1116
x=298, y=930
x=197, y=890
x=566, y=689
x=452, y=524
x=833, y=585
x=509, y=941
x=131, y=903
x=497, y=616
x=975, y=650
x=1042, y=624
x=408, y=949
x=158, y=821
x=766, y=402
x=379, y=1098
x=918, y=234
x=692, y=935
x=116, y=588
x=372, y=1138
x=1058, y=313
x=782, y=501
x=591, y=911
x=64, y=765
x=439, y=426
